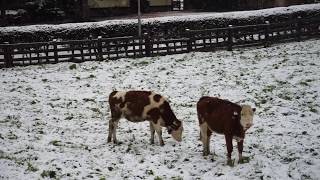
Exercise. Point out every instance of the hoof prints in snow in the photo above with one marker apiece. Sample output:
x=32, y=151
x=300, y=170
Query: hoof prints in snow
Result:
x=53, y=118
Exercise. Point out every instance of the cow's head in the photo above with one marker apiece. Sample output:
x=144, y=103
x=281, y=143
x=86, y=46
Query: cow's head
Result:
x=246, y=120
x=176, y=130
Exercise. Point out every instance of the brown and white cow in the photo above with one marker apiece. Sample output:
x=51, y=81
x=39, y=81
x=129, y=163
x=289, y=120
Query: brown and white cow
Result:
x=138, y=106
x=224, y=117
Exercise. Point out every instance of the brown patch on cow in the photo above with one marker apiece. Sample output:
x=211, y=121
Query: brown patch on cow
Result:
x=157, y=98
x=167, y=114
x=136, y=101
x=215, y=111
x=122, y=105
x=154, y=114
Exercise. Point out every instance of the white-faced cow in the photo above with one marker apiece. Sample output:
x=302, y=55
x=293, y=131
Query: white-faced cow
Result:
x=223, y=117
x=138, y=106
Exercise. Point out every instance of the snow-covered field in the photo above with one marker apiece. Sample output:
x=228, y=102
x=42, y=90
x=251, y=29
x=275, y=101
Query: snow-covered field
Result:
x=54, y=118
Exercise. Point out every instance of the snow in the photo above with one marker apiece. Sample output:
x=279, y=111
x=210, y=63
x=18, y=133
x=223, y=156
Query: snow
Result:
x=147, y=20
x=54, y=120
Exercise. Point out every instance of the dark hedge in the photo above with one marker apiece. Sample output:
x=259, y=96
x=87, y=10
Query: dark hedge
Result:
x=170, y=29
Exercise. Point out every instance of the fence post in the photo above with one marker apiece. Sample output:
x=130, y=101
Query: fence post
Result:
x=189, y=40
x=230, y=37
x=266, y=35
x=55, y=50
x=147, y=44
x=299, y=29
x=100, y=56
x=8, y=53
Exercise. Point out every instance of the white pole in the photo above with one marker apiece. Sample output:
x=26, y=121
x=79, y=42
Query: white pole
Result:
x=139, y=19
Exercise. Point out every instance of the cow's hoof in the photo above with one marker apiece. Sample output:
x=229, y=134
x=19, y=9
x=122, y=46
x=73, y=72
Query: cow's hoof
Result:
x=151, y=142
x=244, y=160
x=161, y=144
x=230, y=162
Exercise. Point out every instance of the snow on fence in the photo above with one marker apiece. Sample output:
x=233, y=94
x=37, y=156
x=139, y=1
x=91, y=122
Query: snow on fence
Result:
x=129, y=46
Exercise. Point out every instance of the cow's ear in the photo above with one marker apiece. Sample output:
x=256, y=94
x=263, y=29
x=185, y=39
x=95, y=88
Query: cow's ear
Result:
x=254, y=109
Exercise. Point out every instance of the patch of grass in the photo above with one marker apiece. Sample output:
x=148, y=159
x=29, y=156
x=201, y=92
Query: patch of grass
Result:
x=303, y=83
x=314, y=110
x=263, y=101
x=285, y=97
x=12, y=120
x=176, y=178
x=96, y=110
x=89, y=100
x=12, y=136
x=281, y=82
x=269, y=88
x=11, y=158
x=289, y=159
x=44, y=80
x=259, y=130
x=158, y=178
x=73, y=66
x=56, y=143
x=244, y=160
x=149, y=172
x=142, y=63
x=31, y=167
x=92, y=76
x=49, y=173
x=69, y=117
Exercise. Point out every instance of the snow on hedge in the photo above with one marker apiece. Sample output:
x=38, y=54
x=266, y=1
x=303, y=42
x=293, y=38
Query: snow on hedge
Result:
x=191, y=17
x=53, y=118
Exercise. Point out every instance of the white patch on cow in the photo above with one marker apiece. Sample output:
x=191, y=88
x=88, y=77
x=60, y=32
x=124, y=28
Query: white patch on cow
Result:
x=158, y=129
x=204, y=138
x=125, y=111
x=238, y=139
x=153, y=104
x=203, y=130
x=120, y=94
x=177, y=134
x=246, y=120
x=235, y=113
x=158, y=125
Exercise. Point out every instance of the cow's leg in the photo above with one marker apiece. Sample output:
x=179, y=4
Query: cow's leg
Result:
x=113, y=124
x=205, y=138
x=110, y=130
x=158, y=129
x=229, y=149
x=242, y=159
x=240, y=149
x=152, y=130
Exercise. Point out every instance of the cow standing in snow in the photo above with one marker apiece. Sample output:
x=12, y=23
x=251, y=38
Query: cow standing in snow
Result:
x=223, y=117
x=138, y=106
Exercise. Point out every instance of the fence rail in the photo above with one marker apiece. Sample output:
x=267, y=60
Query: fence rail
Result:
x=129, y=46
